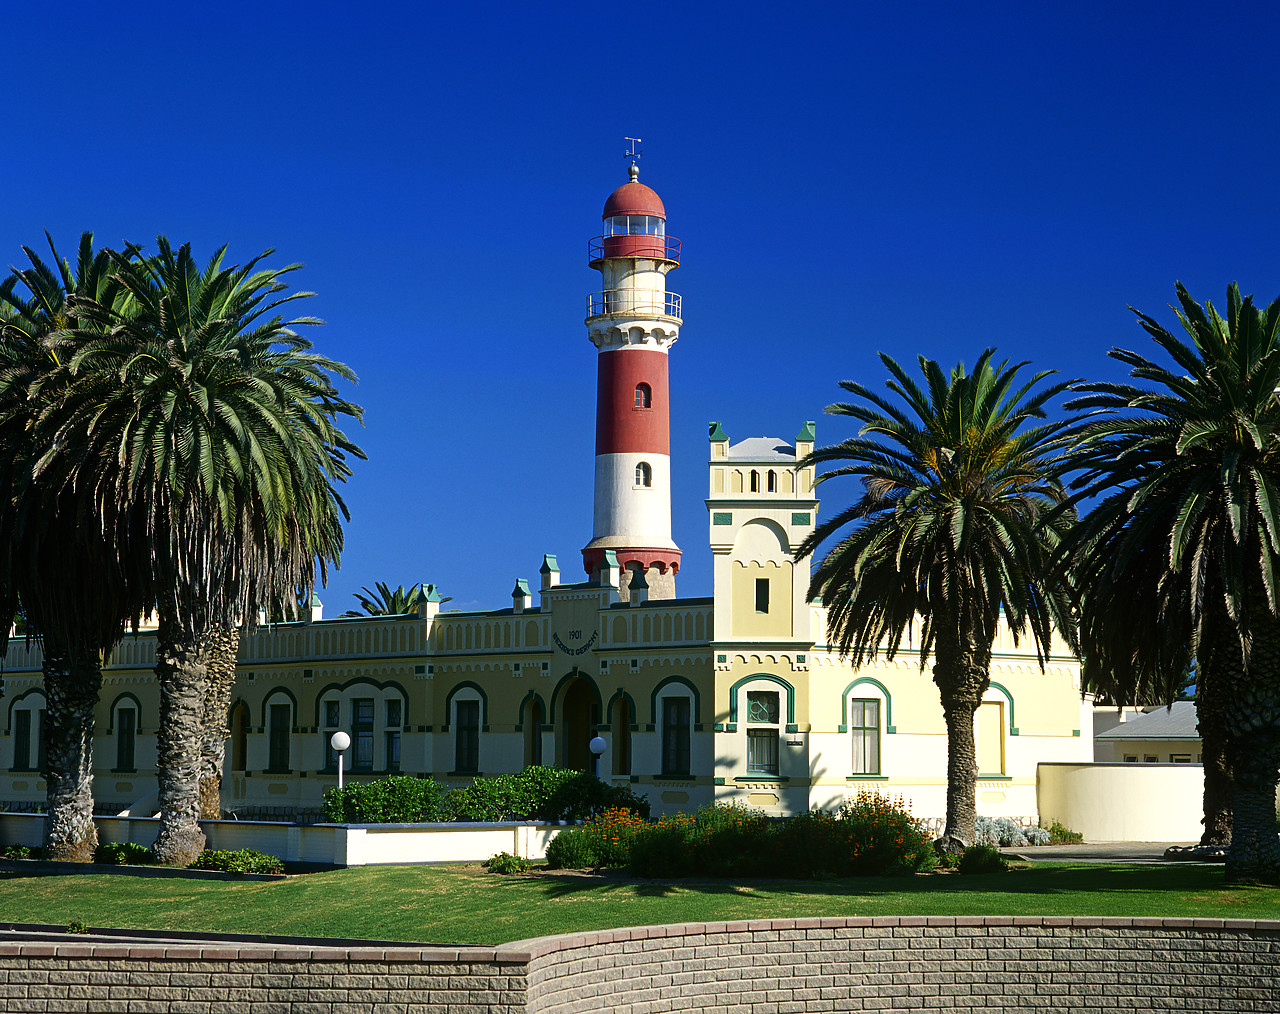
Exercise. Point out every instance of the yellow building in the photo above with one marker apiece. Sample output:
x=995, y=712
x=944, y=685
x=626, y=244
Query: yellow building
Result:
x=737, y=697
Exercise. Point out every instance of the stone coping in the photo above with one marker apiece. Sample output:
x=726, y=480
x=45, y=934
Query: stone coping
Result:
x=39, y=940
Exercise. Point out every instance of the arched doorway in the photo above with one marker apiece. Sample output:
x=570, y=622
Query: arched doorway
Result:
x=577, y=725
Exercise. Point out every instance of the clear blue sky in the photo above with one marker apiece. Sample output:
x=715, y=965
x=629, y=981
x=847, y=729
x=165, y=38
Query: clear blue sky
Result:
x=918, y=178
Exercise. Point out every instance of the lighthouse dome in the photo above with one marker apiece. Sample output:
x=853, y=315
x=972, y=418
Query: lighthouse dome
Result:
x=634, y=198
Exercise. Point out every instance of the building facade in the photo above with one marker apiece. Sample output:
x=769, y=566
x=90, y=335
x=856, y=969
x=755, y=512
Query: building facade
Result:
x=737, y=698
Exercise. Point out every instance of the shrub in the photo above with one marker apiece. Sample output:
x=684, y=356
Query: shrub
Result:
x=124, y=853
x=482, y=800
x=884, y=838
x=605, y=840
x=506, y=863
x=77, y=926
x=1060, y=835
x=399, y=799
x=582, y=795
x=19, y=852
x=1006, y=833
x=982, y=859
x=572, y=849
x=238, y=861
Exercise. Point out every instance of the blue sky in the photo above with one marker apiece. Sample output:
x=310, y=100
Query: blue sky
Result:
x=917, y=178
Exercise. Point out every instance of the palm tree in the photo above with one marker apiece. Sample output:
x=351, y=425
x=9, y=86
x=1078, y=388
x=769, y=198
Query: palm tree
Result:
x=1193, y=459
x=385, y=602
x=953, y=528
x=70, y=582
x=204, y=422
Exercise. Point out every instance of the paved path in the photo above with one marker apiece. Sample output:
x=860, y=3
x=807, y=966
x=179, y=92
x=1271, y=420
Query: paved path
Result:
x=1100, y=852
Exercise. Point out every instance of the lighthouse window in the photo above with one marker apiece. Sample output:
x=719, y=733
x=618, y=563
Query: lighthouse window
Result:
x=644, y=474
x=644, y=396
x=635, y=225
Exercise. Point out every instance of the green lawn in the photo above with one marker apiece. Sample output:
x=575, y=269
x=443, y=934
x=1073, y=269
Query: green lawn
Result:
x=466, y=904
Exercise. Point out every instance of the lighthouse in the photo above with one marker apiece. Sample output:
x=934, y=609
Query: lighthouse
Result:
x=633, y=321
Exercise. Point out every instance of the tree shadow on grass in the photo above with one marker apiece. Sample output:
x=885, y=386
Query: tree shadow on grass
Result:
x=1044, y=880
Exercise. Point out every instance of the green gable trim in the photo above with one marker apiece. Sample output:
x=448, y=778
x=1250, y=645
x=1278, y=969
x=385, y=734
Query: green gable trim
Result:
x=721, y=518
x=716, y=433
x=768, y=678
x=889, y=728
x=806, y=434
x=1008, y=697
x=800, y=518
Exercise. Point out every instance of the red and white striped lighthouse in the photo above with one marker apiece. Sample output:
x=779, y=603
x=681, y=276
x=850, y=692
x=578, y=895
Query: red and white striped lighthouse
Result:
x=633, y=322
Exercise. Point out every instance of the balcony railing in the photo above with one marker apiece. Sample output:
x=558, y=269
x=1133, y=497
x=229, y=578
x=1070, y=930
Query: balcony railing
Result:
x=659, y=248
x=634, y=302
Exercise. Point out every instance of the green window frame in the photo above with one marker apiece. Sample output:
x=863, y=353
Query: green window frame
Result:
x=864, y=734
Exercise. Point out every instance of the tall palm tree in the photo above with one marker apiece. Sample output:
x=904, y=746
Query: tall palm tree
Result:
x=1193, y=457
x=70, y=581
x=954, y=526
x=202, y=419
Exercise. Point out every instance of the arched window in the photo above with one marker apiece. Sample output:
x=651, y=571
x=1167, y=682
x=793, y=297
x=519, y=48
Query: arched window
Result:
x=126, y=724
x=644, y=474
x=644, y=396
x=773, y=481
x=239, y=737
x=755, y=481
x=279, y=732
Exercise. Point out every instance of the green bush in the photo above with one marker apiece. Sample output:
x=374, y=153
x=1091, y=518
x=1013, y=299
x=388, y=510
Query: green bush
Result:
x=124, y=853
x=485, y=799
x=982, y=859
x=506, y=863
x=399, y=799
x=870, y=836
x=19, y=852
x=238, y=861
x=582, y=795
x=1060, y=835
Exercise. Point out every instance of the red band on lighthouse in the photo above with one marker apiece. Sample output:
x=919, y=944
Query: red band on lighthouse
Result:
x=631, y=402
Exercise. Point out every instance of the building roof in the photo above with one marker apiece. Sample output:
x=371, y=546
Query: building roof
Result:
x=634, y=198
x=1178, y=722
x=762, y=449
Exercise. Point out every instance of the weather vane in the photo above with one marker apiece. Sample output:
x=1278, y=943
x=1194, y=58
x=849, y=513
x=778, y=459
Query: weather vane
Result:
x=634, y=153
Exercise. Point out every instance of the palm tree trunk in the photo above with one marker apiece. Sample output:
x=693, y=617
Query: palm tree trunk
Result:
x=1212, y=722
x=72, y=681
x=224, y=647
x=1254, y=744
x=962, y=673
x=182, y=670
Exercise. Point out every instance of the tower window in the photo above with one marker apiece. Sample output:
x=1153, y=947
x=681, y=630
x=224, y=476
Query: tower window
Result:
x=773, y=481
x=644, y=474
x=755, y=481
x=762, y=595
x=644, y=396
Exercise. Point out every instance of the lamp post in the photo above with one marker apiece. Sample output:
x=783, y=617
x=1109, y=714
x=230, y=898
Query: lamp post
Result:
x=340, y=741
x=597, y=748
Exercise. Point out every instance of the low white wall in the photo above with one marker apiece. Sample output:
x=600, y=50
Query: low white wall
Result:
x=339, y=844
x=1123, y=802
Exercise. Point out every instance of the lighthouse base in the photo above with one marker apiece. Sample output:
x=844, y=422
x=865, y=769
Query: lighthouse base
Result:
x=659, y=567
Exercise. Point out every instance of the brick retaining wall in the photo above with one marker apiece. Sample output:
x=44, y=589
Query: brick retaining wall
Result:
x=1041, y=964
